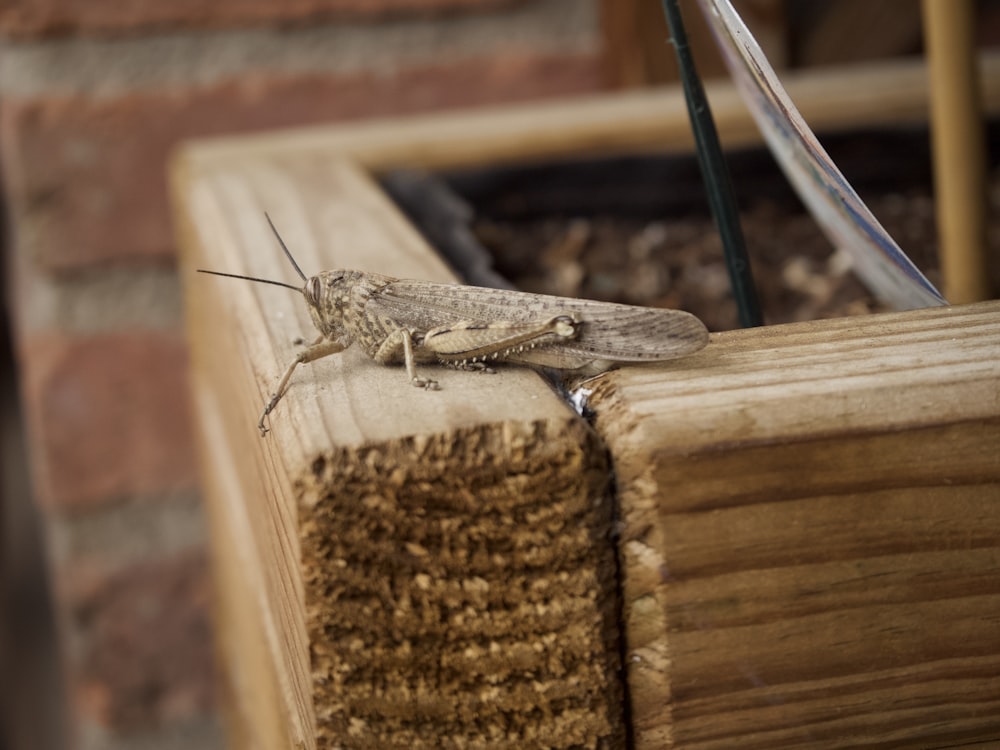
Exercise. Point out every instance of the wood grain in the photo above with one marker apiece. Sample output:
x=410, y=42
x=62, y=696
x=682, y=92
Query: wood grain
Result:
x=812, y=534
x=392, y=566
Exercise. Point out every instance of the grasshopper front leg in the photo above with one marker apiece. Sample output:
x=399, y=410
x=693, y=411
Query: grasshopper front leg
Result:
x=317, y=350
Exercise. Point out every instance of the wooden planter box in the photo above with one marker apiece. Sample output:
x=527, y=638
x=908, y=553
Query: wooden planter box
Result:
x=802, y=547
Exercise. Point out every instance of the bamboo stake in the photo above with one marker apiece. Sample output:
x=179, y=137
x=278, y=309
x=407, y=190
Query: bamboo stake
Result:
x=959, y=154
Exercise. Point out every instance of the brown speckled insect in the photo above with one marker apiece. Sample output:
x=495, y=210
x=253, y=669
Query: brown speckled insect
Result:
x=403, y=321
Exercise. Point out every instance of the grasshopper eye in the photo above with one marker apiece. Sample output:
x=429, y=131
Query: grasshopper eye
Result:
x=312, y=291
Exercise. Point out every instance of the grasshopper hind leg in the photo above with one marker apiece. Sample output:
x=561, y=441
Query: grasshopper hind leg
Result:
x=471, y=367
x=473, y=345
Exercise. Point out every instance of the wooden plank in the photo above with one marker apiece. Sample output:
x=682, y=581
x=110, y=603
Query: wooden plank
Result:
x=645, y=121
x=851, y=31
x=392, y=566
x=810, y=534
x=624, y=58
x=958, y=131
x=637, y=50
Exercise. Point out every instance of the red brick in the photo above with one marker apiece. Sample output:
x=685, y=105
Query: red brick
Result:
x=145, y=650
x=41, y=17
x=109, y=416
x=86, y=177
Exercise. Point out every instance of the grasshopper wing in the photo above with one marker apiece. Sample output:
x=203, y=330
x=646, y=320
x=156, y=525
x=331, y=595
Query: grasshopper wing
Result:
x=607, y=332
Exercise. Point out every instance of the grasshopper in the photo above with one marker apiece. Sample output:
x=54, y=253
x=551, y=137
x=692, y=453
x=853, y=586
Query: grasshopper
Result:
x=404, y=321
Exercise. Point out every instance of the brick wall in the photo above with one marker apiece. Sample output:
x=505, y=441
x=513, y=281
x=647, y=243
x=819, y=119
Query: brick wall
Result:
x=92, y=98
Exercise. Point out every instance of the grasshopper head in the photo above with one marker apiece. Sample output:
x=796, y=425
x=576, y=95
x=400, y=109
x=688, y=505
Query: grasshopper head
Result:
x=328, y=296
x=327, y=293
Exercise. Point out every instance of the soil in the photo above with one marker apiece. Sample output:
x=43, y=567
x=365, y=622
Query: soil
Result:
x=637, y=231
x=678, y=263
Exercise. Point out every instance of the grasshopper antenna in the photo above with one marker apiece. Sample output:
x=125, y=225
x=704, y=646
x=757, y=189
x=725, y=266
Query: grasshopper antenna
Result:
x=288, y=255
x=249, y=278
x=284, y=247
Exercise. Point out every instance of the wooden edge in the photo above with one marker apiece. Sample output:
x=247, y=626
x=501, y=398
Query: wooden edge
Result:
x=743, y=386
x=629, y=122
x=264, y=664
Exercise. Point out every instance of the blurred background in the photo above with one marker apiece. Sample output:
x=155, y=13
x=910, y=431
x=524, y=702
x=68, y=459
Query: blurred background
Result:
x=105, y=637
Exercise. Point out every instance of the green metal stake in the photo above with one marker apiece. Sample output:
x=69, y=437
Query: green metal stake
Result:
x=715, y=173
